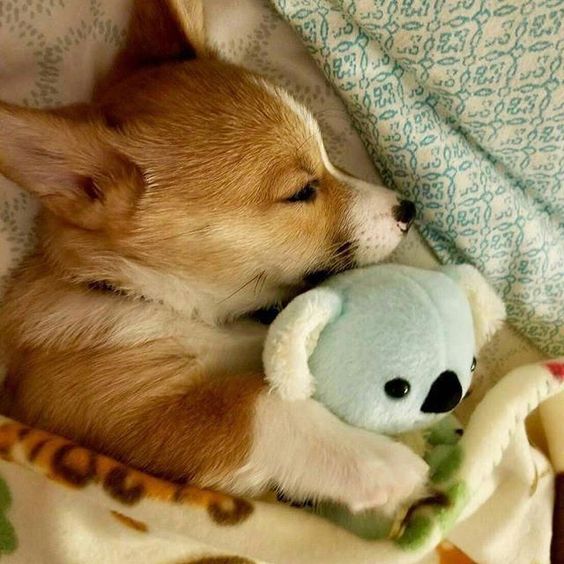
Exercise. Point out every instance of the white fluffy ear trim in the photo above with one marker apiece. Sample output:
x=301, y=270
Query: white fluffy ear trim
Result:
x=291, y=339
x=488, y=309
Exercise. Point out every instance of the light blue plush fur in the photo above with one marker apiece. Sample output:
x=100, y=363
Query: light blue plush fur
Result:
x=394, y=322
x=351, y=341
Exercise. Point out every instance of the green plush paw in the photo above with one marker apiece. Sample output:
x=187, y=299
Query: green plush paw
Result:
x=445, y=461
x=456, y=496
x=418, y=530
x=8, y=539
x=446, y=432
x=439, y=510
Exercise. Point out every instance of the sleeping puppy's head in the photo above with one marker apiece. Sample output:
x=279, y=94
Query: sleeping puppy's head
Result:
x=193, y=181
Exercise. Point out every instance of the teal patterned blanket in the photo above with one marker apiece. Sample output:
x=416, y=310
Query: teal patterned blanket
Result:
x=461, y=106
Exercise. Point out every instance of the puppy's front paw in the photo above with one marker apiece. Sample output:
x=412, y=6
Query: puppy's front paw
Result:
x=311, y=454
x=383, y=473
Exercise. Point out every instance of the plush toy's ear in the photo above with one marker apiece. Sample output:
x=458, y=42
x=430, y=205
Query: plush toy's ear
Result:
x=488, y=309
x=291, y=339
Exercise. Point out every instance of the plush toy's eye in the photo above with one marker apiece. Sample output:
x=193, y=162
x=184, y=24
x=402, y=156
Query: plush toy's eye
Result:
x=473, y=367
x=397, y=388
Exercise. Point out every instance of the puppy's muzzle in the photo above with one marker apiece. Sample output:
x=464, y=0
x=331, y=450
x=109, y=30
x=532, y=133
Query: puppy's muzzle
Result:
x=404, y=214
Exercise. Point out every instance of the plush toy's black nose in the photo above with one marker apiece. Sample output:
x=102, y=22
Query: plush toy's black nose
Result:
x=404, y=214
x=444, y=395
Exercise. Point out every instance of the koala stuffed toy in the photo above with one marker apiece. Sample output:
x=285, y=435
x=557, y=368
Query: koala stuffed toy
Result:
x=389, y=348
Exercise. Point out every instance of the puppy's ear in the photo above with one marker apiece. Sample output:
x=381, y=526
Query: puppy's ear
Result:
x=159, y=31
x=67, y=164
x=292, y=338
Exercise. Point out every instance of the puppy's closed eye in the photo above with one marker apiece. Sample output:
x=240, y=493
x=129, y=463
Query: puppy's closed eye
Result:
x=307, y=193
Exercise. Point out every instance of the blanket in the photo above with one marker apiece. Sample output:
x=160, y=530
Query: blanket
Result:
x=62, y=503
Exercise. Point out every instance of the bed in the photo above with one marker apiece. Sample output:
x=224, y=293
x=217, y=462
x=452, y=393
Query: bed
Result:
x=62, y=503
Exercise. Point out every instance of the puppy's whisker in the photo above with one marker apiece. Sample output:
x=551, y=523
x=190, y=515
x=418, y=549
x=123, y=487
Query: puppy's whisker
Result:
x=339, y=245
x=341, y=257
x=259, y=285
x=306, y=140
x=257, y=282
x=263, y=283
x=343, y=250
x=241, y=288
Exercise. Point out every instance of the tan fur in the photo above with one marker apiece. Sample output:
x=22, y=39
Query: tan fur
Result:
x=171, y=186
x=157, y=421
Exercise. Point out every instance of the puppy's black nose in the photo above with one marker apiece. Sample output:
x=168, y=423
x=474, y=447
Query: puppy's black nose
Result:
x=445, y=394
x=404, y=214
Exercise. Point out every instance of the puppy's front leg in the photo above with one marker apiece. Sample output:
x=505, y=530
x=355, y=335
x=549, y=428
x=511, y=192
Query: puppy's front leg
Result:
x=235, y=435
x=309, y=453
x=230, y=433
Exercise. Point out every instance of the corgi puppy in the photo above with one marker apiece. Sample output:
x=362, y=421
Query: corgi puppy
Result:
x=188, y=194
